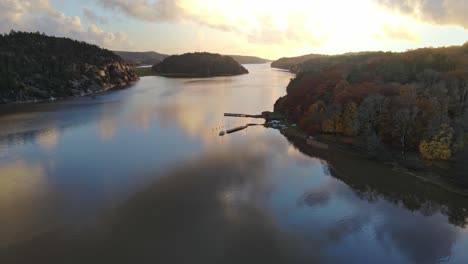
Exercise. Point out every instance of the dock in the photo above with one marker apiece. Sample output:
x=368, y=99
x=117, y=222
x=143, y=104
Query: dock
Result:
x=265, y=115
x=239, y=128
x=243, y=115
x=232, y=130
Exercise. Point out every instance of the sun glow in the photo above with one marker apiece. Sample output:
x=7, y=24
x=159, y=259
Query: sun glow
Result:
x=304, y=25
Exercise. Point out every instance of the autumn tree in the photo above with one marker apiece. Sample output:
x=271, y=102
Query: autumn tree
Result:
x=369, y=113
x=404, y=117
x=349, y=119
x=333, y=119
x=439, y=146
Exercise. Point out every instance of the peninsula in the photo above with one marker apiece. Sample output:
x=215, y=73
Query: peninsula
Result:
x=37, y=67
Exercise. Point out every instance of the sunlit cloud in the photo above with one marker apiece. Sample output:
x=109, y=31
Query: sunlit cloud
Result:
x=266, y=28
x=397, y=33
x=331, y=26
x=439, y=12
x=93, y=17
x=40, y=15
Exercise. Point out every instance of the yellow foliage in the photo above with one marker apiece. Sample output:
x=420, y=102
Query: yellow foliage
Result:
x=439, y=146
x=333, y=124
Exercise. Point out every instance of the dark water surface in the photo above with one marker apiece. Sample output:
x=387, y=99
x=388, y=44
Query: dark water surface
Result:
x=141, y=176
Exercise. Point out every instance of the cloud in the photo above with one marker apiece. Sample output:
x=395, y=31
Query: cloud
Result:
x=258, y=24
x=292, y=29
x=93, y=17
x=397, y=33
x=40, y=15
x=156, y=11
x=439, y=12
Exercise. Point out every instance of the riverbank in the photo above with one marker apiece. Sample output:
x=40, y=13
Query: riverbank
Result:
x=433, y=173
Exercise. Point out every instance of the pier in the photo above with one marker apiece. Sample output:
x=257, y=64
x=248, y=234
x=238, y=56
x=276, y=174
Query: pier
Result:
x=243, y=115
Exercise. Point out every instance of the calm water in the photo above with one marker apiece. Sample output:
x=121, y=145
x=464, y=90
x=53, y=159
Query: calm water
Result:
x=141, y=176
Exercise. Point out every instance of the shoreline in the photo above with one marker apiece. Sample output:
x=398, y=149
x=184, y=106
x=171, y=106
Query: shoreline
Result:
x=328, y=143
x=53, y=99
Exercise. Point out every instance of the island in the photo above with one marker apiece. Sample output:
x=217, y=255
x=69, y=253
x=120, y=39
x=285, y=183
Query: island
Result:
x=37, y=67
x=198, y=65
x=408, y=108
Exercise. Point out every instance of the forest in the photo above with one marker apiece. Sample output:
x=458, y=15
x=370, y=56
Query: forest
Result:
x=414, y=101
x=199, y=64
x=36, y=67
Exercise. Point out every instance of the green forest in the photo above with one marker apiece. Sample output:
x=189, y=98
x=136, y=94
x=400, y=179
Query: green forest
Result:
x=415, y=101
x=36, y=67
x=199, y=64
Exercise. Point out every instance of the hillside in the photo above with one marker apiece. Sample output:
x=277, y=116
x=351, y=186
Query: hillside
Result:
x=248, y=59
x=288, y=63
x=141, y=58
x=199, y=65
x=152, y=58
x=416, y=101
x=39, y=67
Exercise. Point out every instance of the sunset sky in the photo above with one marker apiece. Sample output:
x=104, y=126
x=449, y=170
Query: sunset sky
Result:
x=266, y=28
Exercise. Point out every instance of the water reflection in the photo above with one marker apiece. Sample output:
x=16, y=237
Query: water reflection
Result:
x=141, y=176
x=23, y=195
x=48, y=139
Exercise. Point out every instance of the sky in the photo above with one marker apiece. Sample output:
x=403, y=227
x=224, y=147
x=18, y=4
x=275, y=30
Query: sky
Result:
x=265, y=28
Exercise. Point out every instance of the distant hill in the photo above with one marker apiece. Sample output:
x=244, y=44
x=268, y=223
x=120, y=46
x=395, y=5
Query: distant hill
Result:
x=288, y=63
x=152, y=58
x=248, y=59
x=34, y=66
x=141, y=58
x=199, y=65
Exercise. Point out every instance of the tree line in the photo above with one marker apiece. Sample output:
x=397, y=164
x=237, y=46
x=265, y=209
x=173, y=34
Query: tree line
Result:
x=38, y=65
x=411, y=101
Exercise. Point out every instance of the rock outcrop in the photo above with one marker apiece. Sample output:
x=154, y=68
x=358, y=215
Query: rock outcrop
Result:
x=36, y=67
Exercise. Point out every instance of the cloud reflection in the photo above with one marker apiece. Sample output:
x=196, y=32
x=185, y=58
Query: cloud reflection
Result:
x=23, y=188
x=48, y=139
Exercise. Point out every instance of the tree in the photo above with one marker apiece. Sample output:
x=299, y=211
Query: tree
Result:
x=349, y=119
x=404, y=117
x=370, y=111
x=404, y=121
x=333, y=119
x=465, y=121
x=439, y=146
x=313, y=118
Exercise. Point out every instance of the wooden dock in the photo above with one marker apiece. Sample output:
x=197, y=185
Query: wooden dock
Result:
x=232, y=130
x=265, y=115
x=239, y=128
x=243, y=115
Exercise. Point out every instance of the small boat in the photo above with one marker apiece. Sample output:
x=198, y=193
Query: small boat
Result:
x=222, y=133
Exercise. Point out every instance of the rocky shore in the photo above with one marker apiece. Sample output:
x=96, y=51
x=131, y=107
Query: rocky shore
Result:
x=36, y=67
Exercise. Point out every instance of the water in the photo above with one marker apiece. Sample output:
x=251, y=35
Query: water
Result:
x=141, y=176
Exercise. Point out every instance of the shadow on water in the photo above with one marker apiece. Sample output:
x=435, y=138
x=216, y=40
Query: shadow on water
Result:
x=22, y=124
x=372, y=181
x=209, y=210
x=147, y=179
x=228, y=207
